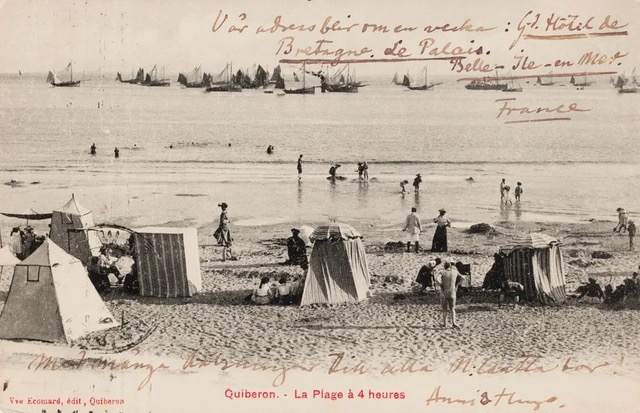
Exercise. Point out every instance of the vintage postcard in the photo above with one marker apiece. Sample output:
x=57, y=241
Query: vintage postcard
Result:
x=319, y=205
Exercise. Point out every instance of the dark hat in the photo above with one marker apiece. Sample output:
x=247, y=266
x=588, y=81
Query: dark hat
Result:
x=295, y=230
x=223, y=205
x=418, y=175
x=592, y=280
x=442, y=210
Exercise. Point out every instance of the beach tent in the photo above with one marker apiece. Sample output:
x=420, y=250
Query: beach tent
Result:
x=69, y=227
x=167, y=261
x=535, y=261
x=338, y=270
x=51, y=299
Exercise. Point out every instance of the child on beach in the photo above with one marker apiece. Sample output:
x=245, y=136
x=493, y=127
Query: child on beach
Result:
x=402, y=188
x=283, y=293
x=518, y=191
x=262, y=295
x=507, y=196
x=631, y=230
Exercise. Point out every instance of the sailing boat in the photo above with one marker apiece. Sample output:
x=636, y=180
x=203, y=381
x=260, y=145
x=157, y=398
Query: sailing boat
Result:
x=55, y=80
x=338, y=83
x=580, y=84
x=625, y=85
x=304, y=90
x=138, y=79
x=512, y=87
x=541, y=82
x=193, y=79
x=223, y=82
x=426, y=85
x=486, y=84
x=153, y=80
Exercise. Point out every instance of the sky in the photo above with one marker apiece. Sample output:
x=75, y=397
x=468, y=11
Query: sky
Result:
x=119, y=35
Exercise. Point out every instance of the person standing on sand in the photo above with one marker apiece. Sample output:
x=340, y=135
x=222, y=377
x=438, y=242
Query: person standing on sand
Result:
x=92, y=151
x=300, y=167
x=502, y=185
x=365, y=171
x=116, y=153
x=413, y=227
x=439, y=243
x=631, y=230
x=223, y=234
x=449, y=283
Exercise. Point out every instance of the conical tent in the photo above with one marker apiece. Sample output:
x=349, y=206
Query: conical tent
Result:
x=69, y=227
x=51, y=299
x=535, y=261
x=338, y=270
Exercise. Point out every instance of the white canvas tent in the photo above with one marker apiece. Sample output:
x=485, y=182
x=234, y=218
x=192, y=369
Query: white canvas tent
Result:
x=338, y=270
x=51, y=299
x=168, y=261
x=69, y=227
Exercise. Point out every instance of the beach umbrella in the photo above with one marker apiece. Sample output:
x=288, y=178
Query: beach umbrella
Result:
x=305, y=233
x=334, y=231
x=534, y=240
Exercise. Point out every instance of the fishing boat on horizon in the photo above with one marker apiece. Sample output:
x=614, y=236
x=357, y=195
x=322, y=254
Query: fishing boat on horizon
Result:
x=139, y=78
x=512, y=87
x=486, y=84
x=627, y=85
x=338, y=82
x=304, y=90
x=541, y=82
x=426, y=85
x=223, y=82
x=193, y=79
x=153, y=80
x=582, y=84
x=56, y=81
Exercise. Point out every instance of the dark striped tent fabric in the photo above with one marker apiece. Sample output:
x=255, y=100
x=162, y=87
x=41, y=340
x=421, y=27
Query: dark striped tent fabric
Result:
x=167, y=261
x=338, y=273
x=539, y=270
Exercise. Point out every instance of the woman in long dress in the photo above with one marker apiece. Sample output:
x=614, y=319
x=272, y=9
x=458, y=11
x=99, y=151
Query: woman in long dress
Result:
x=439, y=243
x=223, y=234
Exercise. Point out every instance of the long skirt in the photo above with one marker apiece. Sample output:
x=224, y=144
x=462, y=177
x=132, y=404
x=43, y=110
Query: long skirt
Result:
x=223, y=236
x=439, y=243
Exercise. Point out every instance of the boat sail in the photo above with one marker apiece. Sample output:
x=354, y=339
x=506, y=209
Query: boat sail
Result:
x=138, y=79
x=337, y=83
x=541, y=82
x=276, y=78
x=512, y=87
x=425, y=86
x=193, y=79
x=223, y=82
x=625, y=85
x=153, y=80
x=55, y=80
x=584, y=83
x=304, y=90
x=486, y=84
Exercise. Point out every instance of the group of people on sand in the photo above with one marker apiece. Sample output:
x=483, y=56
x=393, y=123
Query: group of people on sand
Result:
x=413, y=227
x=627, y=293
x=626, y=225
x=505, y=192
x=24, y=242
x=283, y=292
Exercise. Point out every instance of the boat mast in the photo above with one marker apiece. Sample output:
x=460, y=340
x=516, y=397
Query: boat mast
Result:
x=304, y=72
x=71, y=66
x=426, y=85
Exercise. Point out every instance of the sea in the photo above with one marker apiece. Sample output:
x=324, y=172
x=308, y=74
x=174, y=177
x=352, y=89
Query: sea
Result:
x=183, y=151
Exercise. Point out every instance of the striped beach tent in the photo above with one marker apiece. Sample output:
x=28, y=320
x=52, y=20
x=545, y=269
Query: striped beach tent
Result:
x=535, y=261
x=167, y=261
x=338, y=270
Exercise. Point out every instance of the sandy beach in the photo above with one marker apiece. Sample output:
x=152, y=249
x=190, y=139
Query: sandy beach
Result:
x=394, y=323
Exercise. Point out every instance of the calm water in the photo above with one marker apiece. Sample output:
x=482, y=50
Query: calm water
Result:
x=571, y=171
